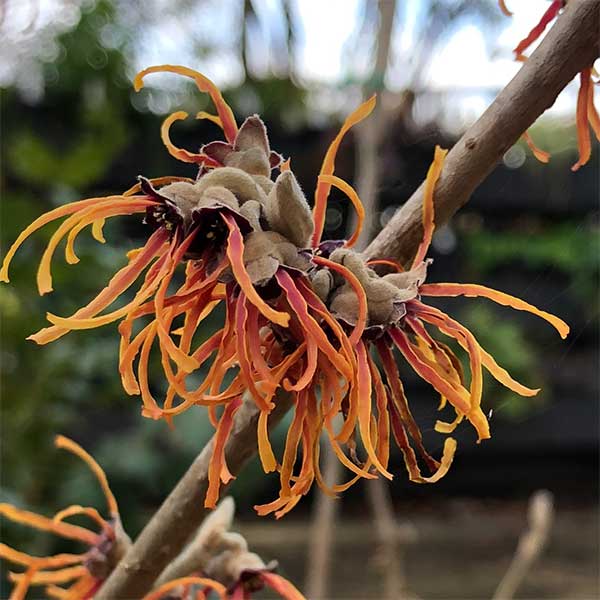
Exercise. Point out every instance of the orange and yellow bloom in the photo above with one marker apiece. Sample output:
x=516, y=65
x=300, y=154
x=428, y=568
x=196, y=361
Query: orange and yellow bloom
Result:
x=84, y=573
x=303, y=316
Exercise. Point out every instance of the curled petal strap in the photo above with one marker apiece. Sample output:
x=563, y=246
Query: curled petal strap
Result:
x=156, y=181
x=217, y=460
x=593, y=116
x=399, y=402
x=181, y=153
x=85, y=318
x=504, y=8
x=235, y=253
x=328, y=167
x=60, y=441
x=541, y=155
x=205, y=85
x=387, y=262
x=428, y=206
x=340, y=184
x=77, y=509
x=474, y=290
x=362, y=395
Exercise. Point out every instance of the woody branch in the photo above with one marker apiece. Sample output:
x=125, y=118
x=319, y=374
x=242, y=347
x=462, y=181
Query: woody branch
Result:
x=570, y=46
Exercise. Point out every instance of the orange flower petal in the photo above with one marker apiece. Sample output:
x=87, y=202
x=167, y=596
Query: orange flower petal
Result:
x=244, y=358
x=20, y=590
x=218, y=456
x=205, y=85
x=328, y=167
x=504, y=8
x=56, y=561
x=388, y=262
x=583, y=133
x=291, y=444
x=535, y=33
x=340, y=184
x=400, y=402
x=362, y=396
x=541, y=155
x=57, y=213
x=77, y=509
x=125, y=206
x=61, y=576
x=265, y=451
x=163, y=589
x=593, y=116
x=60, y=441
x=181, y=153
x=383, y=417
x=73, y=532
x=120, y=282
x=310, y=325
x=433, y=175
x=460, y=401
x=457, y=331
x=156, y=181
x=432, y=315
x=235, y=253
x=474, y=290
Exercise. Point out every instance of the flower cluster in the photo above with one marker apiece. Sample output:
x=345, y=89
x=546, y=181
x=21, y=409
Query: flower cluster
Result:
x=587, y=116
x=303, y=316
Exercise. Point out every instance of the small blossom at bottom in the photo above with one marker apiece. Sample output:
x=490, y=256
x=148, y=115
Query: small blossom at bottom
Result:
x=84, y=573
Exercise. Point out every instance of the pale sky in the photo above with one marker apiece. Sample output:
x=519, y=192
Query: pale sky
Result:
x=323, y=27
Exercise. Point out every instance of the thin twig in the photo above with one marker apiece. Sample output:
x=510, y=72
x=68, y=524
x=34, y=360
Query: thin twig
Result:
x=531, y=544
x=570, y=46
x=321, y=536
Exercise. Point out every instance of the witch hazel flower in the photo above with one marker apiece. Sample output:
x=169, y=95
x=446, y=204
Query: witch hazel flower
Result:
x=586, y=114
x=304, y=316
x=83, y=573
x=355, y=320
x=230, y=224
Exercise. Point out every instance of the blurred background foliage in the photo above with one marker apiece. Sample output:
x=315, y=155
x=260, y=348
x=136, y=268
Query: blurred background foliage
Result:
x=73, y=127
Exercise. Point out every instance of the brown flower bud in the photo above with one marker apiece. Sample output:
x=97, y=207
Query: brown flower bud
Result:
x=236, y=181
x=287, y=210
x=217, y=194
x=184, y=195
x=264, y=251
x=322, y=283
x=252, y=210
